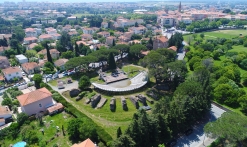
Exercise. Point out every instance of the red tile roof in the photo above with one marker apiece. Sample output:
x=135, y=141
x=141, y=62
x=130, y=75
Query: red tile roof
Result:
x=33, y=96
x=86, y=143
x=11, y=70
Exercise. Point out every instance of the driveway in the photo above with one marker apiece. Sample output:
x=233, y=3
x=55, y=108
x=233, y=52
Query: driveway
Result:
x=198, y=138
x=70, y=86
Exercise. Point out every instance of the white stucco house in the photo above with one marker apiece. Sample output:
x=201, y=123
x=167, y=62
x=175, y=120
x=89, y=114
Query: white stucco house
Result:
x=21, y=58
x=36, y=101
x=12, y=72
x=5, y=113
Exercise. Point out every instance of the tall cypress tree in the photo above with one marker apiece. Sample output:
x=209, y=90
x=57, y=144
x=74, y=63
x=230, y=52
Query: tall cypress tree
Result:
x=113, y=42
x=111, y=61
x=119, y=132
x=48, y=53
x=76, y=50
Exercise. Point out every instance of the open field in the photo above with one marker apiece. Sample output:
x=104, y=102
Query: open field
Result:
x=50, y=123
x=132, y=70
x=228, y=34
x=104, y=117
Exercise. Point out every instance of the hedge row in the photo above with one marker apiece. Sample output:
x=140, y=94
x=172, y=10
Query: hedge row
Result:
x=103, y=135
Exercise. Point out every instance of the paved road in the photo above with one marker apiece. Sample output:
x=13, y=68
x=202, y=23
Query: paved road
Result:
x=197, y=138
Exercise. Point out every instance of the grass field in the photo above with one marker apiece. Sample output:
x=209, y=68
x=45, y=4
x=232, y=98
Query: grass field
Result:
x=50, y=123
x=104, y=117
x=228, y=34
x=132, y=70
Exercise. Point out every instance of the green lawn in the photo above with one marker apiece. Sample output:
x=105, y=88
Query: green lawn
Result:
x=50, y=123
x=238, y=48
x=132, y=70
x=104, y=117
x=228, y=34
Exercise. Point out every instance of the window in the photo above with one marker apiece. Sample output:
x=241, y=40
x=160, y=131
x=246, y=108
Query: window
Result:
x=40, y=105
x=9, y=75
x=17, y=73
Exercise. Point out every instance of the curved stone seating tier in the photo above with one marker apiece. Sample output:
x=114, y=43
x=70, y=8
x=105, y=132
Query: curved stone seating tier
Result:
x=136, y=82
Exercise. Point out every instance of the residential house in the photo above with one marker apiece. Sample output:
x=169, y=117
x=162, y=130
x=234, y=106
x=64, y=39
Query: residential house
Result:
x=4, y=62
x=73, y=33
x=60, y=63
x=104, y=25
x=138, y=30
x=66, y=28
x=7, y=36
x=56, y=36
x=3, y=48
x=167, y=20
x=5, y=114
x=30, y=67
x=12, y=72
x=29, y=40
x=31, y=46
x=123, y=39
x=174, y=48
x=72, y=18
x=160, y=42
x=109, y=40
x=51, y=30
x=85, y=143
x=117, y=34
x=90, y=30
x=21, y=58
x=31, y=32
x=104, y=34
x=36, y=101
x=45, y=37
x=54, y=53
x=86, y=37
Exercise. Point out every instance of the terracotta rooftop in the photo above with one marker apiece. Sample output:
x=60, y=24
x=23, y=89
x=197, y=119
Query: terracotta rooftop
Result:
x=32, y=45
x=51, y=51
x=29, y=30
x=162, y=39
x=43, y=36
x=85, y=143
x=11, y=70
x=34, y=96
x=29, y=65
x=55, y=107
x=30, y=38
x=173, y=48
x=4, y=110
x=60, y=62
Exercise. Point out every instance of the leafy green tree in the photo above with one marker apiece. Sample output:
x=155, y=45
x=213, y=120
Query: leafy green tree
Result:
x=154, y=62
x=123, y=48
x=48, y=68
x=194, y=60
x=37, y=78
x=22, y=118
x=111, y=61
x=202, y=35
x=30, y=53
x=136, y=49
x=7, y=102
x=136, y=24
x=124, y=141
x=243, y=64
x=231, y=127
x=73, y=129
x=68, y=55
x=84, y=82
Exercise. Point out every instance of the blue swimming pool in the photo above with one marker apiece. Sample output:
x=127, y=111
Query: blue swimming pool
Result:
x=20, y=144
